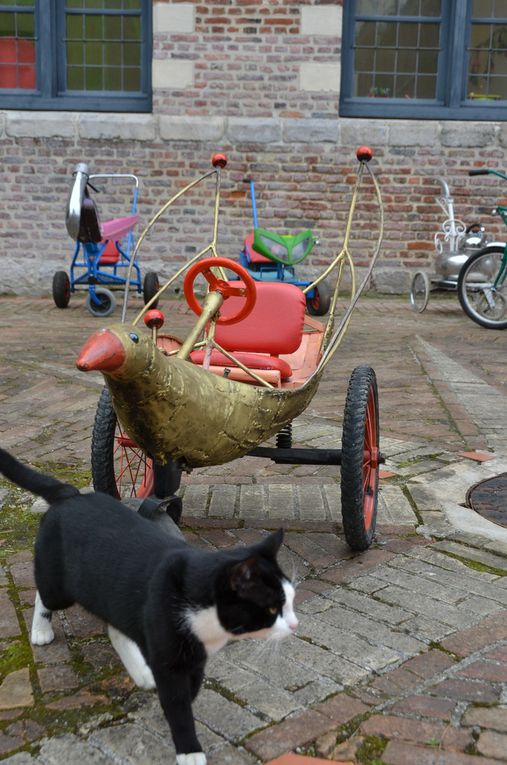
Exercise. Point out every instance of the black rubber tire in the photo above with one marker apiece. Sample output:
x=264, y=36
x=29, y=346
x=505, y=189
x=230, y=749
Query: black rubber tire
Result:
x=482, y=267
x=103, y=437
x=106, y=305
x=360, y=428
x=319, y=304
x=151, y=286
x=61, y=289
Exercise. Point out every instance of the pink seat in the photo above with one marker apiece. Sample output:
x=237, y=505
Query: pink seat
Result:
x=113, y=231
x=275, y=326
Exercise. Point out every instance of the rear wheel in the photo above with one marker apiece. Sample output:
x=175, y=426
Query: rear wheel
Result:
x=419, y=291
x=151, y=286
x=319, y=304
x=104, y=304
x=482, y=300
x=360, y=459
x=61, y=289
x=119, y=466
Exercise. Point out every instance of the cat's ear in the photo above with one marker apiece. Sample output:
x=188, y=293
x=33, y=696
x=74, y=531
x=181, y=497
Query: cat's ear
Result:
x=242, y=574
x=271, y=544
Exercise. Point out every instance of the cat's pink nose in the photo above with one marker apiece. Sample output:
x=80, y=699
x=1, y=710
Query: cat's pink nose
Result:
x=103, y=351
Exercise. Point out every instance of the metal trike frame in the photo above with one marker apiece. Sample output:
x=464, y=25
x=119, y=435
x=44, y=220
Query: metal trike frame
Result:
x=160, y=415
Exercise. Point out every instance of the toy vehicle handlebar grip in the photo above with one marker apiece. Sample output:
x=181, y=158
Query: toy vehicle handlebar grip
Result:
x=219, y=160
x=364, y=153
x=478, y=172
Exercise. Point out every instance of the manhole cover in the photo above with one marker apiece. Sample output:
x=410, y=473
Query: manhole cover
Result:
x=489, y=499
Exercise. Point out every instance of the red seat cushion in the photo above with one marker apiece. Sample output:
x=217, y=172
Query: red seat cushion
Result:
x=274, y=326
x=252, y=360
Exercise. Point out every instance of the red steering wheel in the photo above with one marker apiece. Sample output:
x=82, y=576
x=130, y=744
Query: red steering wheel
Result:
x=226, y=289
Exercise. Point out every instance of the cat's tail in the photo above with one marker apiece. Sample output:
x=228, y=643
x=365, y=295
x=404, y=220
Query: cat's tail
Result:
x=45, y=486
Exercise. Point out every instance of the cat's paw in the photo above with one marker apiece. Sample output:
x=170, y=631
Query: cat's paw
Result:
x=42, y=635
x=195, y=758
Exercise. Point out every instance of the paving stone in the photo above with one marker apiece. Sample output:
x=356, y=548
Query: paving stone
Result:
x=69, y=749
x=223, y=716
x=492, y=744
x=401, y=753
x=16, y=690
x=133, y=744
x=9, y=625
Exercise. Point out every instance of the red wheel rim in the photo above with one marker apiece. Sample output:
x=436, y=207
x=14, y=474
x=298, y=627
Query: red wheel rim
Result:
x=133, y=470
x=370, y=461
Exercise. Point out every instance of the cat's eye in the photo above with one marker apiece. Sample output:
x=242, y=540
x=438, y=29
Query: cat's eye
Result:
x=273, y=610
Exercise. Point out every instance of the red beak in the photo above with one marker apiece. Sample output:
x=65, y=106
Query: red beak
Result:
x=102, y=351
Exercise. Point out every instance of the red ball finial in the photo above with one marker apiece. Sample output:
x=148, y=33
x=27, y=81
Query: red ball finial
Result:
x=219, y=160
x=154, y=318
x=364, y=154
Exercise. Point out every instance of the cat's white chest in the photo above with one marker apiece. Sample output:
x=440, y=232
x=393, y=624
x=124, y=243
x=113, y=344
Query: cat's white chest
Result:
x=206, y=626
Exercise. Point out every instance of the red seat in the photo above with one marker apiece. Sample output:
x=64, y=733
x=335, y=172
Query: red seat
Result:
x=275, y=326
x=252, y=360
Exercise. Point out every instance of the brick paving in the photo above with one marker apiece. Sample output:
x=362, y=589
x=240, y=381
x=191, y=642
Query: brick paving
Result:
x=401, y=654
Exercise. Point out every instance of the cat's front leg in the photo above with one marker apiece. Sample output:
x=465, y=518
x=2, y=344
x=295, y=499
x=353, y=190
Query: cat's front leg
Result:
x=174, y=691
x=42, y=629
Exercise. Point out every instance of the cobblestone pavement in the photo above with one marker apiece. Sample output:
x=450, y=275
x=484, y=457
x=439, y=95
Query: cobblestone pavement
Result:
x=401, y=654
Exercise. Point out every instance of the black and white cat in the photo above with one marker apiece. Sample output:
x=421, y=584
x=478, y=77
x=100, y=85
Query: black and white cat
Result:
x=168, y=606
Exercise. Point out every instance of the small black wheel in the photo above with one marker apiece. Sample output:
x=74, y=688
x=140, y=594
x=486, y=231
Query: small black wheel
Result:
x=61, y=289
x=319, y=304
x=105, y=305
x=151, y=286
x=482, y=288
x=419, y=291
x=119, y=466
x=360, y=459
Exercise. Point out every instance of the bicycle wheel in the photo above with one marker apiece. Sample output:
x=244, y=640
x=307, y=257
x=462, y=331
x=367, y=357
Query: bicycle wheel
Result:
x=419, y=291
x=360, y=459
x=481, y=300
x=119, y=466
x=151, y=286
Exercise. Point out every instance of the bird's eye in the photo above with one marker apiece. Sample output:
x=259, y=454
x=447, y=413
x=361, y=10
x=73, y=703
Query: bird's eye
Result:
x=273, y=610
x=134, y=337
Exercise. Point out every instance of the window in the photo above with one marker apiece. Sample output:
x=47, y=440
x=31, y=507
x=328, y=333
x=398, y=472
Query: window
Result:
x=426, y=59
x=75, y=54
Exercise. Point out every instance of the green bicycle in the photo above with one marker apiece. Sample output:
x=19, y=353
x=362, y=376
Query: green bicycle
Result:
x=482, y=289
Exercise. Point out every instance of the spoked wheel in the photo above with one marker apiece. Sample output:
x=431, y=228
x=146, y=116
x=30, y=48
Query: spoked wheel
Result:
x=151, y=286
x=319, y=304
x=419, y=291
x=481, y=299
x=105, y=304
x=360, y=459
x=119, y=466
x=61, y=289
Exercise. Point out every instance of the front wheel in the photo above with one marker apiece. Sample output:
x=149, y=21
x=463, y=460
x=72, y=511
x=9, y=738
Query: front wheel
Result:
x=103, y=304
x=119, y=466
x=360, y=459
x=61, y=289
x=419, y=291
x=481, y=288
x=319, y=304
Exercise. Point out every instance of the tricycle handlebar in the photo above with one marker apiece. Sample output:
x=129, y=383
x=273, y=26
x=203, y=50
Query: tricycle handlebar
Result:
x=73, y=214
x=478, y=172
x=487, y=171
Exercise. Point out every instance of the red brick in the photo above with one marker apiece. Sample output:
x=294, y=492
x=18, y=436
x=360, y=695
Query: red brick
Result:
x=392, y=726
x=485, y=670
x=427, y=706
x=340, y=709
x=466, y=690
x=427, y=665
x=400, y=753
x=466, y=642
x=293, y=732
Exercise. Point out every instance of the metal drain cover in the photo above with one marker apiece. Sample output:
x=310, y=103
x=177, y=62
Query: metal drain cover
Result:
x=489, y=499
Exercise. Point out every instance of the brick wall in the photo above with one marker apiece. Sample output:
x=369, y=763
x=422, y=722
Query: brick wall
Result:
x=259, y=81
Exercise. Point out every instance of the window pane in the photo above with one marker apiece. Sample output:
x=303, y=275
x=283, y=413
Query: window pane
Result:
x=487, y=62
x=110, y=45
x=489, y=9
x=17, y=49
x=392, y=56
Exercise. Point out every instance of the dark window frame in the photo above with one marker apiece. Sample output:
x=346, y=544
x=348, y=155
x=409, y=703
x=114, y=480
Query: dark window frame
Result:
x=50, y=67
x=451, y=102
